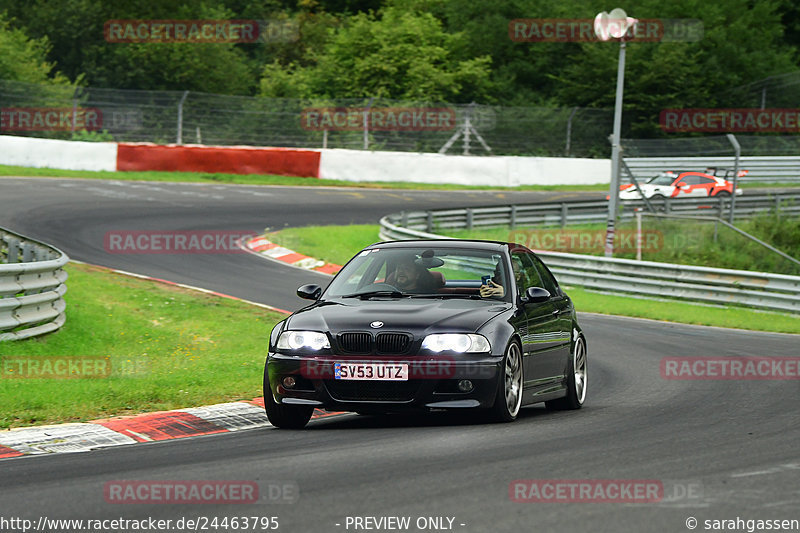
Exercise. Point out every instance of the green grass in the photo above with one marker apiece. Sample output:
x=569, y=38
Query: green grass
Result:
x=266, y=179
x=683, y=242
x=345, y=241
x=332, y=244
x=168, y=347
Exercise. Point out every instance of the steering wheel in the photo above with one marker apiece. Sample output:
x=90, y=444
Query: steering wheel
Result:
x=381, y=286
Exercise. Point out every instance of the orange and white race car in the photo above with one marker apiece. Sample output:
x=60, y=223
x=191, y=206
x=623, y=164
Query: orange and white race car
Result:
x=682, y=185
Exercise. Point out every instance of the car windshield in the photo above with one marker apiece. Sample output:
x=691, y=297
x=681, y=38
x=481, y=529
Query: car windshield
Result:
x=662, y=179
x=428, y=272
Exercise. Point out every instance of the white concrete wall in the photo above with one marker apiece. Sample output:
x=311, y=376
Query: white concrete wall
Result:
x=50, y=153
x=359, y=165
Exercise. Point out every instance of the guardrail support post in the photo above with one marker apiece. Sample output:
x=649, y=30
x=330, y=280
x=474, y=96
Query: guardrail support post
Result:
x=13, y=251
x=469, y=218
x=513, y=221
x=564, y=209
x=429, y=221
x=27, y=253
x=667, y=205
x=404, y=219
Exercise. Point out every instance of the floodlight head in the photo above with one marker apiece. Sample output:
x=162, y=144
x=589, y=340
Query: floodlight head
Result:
x=612, y=25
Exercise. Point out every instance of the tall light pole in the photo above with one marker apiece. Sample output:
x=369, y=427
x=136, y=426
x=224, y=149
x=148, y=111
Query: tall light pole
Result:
x=608, y=26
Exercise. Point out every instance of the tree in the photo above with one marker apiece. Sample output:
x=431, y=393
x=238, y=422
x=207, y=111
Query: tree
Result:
x=75, y=28
x=23, y=59
x=393, y=54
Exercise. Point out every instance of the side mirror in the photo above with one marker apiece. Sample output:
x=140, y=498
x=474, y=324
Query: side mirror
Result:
x=536, y=295
x=309, y=292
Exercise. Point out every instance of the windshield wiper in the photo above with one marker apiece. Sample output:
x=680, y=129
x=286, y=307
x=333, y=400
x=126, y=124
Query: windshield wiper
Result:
x=448, y=295
x=369, y=294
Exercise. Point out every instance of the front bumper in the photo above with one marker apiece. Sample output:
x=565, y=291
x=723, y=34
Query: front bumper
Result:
x=432, y=384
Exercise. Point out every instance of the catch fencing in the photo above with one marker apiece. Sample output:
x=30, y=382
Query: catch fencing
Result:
x=184, y=117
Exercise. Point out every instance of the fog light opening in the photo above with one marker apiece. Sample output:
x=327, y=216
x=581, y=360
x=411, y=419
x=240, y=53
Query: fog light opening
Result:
x=465, y=385
x=289, y=382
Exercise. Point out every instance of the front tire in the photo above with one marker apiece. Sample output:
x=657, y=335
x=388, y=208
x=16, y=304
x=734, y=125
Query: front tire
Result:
x=576, y=382
x=509, y=393
x=284, y=416
x=659, y=202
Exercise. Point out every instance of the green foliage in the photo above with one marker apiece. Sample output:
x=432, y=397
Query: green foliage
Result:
x=92, y=136
x=396, y=54
x=420, y=50
x=24, y=59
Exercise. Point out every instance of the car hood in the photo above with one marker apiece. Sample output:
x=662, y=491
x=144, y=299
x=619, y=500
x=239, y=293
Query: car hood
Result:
x=416, y=316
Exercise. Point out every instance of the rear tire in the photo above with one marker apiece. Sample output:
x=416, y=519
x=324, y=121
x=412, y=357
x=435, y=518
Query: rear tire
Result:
x=284, y=416
x=576, y=382
x=508, y=401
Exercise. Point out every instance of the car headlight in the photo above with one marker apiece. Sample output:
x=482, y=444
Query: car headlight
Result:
x=296, y=340
x=457, y=342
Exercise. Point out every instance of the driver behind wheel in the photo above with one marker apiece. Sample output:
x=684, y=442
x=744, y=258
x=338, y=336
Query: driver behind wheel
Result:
x=410, y=276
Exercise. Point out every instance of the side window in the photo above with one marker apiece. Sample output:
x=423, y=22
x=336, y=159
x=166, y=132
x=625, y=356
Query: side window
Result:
x=525, y=272
x=548, y=281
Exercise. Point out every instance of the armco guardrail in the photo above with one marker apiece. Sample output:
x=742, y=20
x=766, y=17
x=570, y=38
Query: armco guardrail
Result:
x=587, y=212
x=763, y=290
x=31, y=287
x=759, y=168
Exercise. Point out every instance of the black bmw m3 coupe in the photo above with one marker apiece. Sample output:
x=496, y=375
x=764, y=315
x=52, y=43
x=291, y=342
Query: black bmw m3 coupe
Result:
x=447, y=324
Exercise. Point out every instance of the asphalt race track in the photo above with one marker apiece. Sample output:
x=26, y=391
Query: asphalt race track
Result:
x=720, y=449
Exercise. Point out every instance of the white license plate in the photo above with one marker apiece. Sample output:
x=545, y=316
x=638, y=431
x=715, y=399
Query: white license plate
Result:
x=371, y=371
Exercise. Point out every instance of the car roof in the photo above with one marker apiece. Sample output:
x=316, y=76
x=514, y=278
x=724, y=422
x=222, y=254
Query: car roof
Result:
x=496, y=246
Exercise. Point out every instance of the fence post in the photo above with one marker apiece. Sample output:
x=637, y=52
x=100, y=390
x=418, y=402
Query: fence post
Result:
x=738, y=151
x=179, y=139
x=75, y=109
x=638, y=233
x=569, y=131
x=366, y=124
